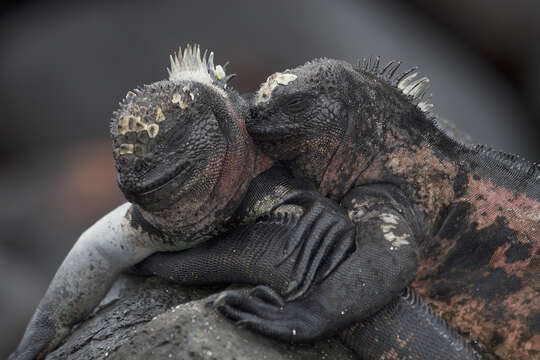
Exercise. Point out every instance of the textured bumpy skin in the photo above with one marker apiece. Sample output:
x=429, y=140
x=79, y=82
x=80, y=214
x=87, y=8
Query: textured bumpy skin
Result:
x=479, y=209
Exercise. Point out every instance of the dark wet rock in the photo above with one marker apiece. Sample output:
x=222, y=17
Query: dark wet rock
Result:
x=152, y=319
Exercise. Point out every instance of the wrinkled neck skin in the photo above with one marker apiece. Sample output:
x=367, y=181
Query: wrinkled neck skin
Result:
x=185, y=225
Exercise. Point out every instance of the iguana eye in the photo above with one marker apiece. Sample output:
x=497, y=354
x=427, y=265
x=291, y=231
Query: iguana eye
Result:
x=297, y=104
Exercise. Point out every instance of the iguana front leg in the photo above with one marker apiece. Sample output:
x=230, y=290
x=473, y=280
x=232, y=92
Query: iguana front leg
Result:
x=383, y=263
x=109, y=246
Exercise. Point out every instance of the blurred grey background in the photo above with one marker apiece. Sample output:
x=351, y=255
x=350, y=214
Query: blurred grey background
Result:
x=64, y=66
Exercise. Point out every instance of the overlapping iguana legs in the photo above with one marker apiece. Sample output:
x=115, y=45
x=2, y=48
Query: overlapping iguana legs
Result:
x=366, y=281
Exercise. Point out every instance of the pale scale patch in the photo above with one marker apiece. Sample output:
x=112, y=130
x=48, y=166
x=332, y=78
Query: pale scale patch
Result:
x=265, y=91
x=390, y=222
x=159, y=114
x=126, y=149
x=389, y=218
x=180, y=100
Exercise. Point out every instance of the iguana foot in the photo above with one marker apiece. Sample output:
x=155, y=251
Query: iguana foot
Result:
x=264, y=311
x=326, y=237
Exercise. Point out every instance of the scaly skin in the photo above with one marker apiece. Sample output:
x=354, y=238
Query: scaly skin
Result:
x=345, y=128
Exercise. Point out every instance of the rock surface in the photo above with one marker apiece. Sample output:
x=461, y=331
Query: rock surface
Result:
x=152, y=319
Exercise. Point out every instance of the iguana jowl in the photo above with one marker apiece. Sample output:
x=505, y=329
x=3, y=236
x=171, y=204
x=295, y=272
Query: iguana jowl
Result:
x=352, y=128
x=185, y=162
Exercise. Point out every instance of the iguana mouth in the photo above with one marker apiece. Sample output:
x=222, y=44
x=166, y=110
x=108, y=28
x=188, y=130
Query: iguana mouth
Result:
x=157, y=178
x=260, y=130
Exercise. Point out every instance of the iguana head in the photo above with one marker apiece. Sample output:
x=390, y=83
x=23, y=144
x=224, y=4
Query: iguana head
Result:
x=180, y=145
x=298, y=114
x=315, y=115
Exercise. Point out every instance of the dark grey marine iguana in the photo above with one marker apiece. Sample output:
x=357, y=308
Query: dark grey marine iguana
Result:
x=367, y=138
x=184, y=161
x=360, y=131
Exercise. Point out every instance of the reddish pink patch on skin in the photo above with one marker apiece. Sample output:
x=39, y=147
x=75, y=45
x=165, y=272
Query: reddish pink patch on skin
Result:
x=242, y=162
x=498, y=260
x=479, y=318
x=238, y=119
x=491, y=201
x=517, y=303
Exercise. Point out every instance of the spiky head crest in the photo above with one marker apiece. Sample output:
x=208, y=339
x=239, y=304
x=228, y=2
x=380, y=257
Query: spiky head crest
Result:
x=192, y=66
x=415, y=88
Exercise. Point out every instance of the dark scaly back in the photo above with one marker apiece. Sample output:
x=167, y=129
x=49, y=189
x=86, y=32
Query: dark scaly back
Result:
x=344, y=126
x=510, y=170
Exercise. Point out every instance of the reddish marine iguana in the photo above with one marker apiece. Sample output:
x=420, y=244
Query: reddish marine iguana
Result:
x=356, y=131
x=367, y=138
x=184, y=161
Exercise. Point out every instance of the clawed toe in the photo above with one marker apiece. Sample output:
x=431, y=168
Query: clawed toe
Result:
x=263, y=310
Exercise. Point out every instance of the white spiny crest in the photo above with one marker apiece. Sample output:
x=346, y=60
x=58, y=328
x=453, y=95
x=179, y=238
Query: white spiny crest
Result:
x=407, y=82
x=191, y=66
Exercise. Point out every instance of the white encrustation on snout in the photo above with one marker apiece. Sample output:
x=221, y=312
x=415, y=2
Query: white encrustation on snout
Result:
x=265, y=91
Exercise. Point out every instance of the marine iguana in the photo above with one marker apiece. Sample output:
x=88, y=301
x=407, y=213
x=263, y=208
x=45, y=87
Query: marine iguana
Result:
x=387, y=224
x=354, y=130
x=184, y=161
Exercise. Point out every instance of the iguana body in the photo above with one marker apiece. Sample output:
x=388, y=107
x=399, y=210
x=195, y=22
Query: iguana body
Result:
x=384, y=262
x=347, y=128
